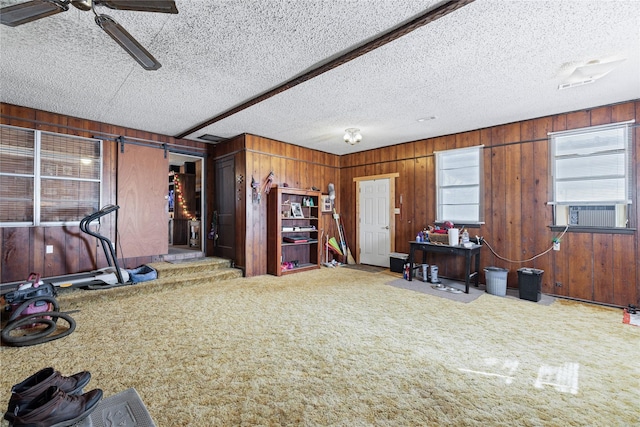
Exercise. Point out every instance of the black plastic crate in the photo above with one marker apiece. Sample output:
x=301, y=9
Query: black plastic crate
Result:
x=397, y=262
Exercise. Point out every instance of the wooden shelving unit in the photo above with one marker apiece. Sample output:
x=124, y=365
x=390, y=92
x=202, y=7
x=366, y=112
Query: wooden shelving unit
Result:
x=292, y=242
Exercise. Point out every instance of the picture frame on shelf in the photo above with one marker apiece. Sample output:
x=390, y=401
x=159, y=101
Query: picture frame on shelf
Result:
x=326, y=203
x=296, y=210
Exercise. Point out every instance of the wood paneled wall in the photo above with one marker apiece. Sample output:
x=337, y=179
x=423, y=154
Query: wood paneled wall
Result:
x=291, y=164
x=601, y=267
x=22, y=249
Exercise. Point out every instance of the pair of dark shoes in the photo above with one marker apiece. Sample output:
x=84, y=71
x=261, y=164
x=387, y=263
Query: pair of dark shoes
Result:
x=48, y=399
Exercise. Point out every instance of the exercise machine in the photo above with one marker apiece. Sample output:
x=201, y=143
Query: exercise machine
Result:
x=102, y=278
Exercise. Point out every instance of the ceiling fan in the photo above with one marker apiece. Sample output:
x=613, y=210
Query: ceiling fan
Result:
x=29, y=11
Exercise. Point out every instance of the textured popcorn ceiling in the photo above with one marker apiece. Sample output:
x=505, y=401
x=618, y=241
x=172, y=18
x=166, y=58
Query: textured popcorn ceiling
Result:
x=490, y=62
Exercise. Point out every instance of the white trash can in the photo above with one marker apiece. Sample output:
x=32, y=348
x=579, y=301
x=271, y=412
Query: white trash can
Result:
x=496, y=280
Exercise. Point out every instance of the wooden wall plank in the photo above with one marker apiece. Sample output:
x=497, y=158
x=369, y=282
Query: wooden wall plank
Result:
x=498, y=237
x=624, y=272
x=513, y=202
x=603, y=265
x=15, y=248
x=16, y=115
x=580, y=264
x=527, y=189
x=542, y=212
x=56, y=262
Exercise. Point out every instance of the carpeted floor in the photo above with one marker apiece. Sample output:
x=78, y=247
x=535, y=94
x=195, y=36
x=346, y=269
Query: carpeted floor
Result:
x=341, y=347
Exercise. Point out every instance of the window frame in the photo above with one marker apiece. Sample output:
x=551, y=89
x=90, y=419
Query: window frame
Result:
x=441, y=187
x=38, y=177
x=562, y=209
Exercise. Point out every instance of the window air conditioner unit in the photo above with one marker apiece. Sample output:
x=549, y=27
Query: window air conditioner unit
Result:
x=593, y=216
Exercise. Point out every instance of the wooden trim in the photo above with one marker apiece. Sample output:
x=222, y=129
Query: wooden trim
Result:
x=373, y=177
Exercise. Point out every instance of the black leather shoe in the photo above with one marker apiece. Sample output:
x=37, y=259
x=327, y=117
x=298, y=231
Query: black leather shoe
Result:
x=23, y=393
x=55, y=408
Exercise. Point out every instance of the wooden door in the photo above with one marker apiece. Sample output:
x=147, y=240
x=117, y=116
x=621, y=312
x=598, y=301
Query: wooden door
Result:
x=142, y=197
x=225, y=206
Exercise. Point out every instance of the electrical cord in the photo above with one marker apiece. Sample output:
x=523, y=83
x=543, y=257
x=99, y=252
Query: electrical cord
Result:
x=555, y=239
x=36, y=335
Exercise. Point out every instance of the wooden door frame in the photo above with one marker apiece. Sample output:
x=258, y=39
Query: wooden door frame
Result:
x=392, y=205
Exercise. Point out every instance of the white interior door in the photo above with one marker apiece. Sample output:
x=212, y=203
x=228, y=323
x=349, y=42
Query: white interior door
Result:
x=374, y=222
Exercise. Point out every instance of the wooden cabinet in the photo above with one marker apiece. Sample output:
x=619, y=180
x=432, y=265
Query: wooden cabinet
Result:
x=292, y=230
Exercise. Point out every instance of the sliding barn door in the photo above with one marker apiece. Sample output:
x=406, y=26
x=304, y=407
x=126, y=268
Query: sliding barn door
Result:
x=143, y=224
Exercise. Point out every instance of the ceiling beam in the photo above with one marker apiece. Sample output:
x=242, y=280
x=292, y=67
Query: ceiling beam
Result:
x=394, y=34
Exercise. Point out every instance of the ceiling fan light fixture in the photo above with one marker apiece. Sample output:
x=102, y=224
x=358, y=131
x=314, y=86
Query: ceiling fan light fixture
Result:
x=23, y=13
x=127, y=42
x=352, y=136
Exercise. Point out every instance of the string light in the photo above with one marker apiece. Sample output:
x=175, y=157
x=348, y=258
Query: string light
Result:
x=180, y=200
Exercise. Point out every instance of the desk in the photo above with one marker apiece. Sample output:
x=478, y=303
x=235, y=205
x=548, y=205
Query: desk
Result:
x=467, y=253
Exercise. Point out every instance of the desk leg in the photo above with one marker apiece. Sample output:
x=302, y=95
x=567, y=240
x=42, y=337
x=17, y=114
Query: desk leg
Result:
x=477, y=268
x=411, y=252
x=467, y=270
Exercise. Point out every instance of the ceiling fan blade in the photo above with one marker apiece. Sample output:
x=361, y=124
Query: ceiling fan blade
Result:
x=161, y=6
x=127, y=42
x=23, y=13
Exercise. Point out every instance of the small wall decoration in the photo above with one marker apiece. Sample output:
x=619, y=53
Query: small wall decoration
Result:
x=296, y=210
x=326, y=203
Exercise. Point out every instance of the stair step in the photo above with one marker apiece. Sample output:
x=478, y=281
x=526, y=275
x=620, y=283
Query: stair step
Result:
x=170, y=276
x=216, y=274
x=200, y=265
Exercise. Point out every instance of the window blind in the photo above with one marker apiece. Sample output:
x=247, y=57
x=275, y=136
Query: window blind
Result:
x=48, y=178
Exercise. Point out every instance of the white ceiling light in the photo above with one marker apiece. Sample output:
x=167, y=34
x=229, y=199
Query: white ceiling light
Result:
x=589, y=73
x=352, y=136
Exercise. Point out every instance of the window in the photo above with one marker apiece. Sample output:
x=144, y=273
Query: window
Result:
x=459, y=185
x=591, y=176
x=47, y=178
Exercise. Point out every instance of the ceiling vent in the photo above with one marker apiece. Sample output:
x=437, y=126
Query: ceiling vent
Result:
x=589, y=73
x=580, y=83
x=211, y=138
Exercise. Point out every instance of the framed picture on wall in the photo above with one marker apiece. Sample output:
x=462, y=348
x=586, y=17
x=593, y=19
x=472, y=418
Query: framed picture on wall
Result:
x=296, y=210
x=326, y=203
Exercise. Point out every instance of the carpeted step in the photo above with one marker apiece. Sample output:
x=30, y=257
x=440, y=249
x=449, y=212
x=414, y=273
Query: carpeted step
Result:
x=169, y=277
x=194, y=266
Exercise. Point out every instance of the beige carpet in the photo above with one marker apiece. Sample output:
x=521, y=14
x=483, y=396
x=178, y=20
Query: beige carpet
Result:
x=340, y=347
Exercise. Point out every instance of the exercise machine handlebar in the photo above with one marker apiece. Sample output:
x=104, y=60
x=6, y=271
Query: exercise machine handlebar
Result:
x=107, y=246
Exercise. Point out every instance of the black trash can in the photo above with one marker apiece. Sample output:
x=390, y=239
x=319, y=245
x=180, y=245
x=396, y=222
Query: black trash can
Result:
x=530, y=284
